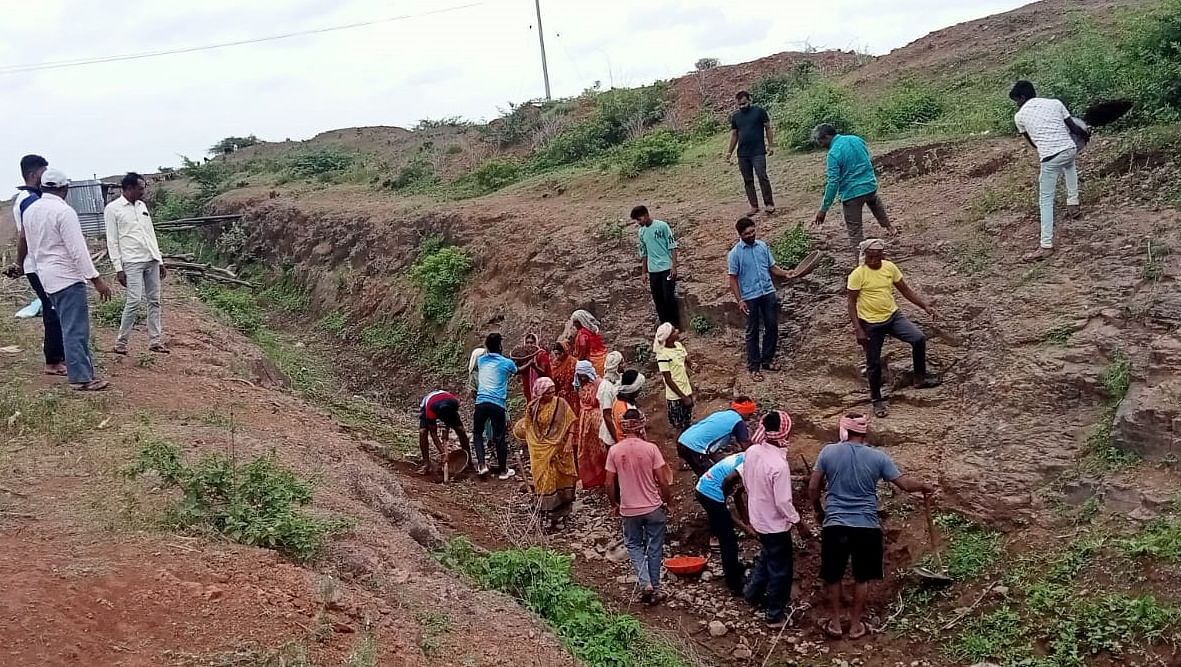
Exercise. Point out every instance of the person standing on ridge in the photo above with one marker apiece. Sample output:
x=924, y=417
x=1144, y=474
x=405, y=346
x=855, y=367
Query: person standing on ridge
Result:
x=492, y=379
x=750, y=266
x=658, y=261
x=849, y=172
x=847, y=473
x=748, y=125
x=32, y=166
x=671, y=359
x=135, y=254
x=638, y=486
x=1048, y=127
x=875, y=315
x=52, y=233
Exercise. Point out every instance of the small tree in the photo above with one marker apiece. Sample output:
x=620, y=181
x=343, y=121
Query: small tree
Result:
x=231, y=144
x=707, y=63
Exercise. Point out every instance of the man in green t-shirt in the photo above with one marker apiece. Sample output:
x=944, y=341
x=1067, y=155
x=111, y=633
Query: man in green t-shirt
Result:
x=658, y=260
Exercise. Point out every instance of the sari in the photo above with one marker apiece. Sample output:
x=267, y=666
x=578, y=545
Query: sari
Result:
x=548, y=430
x=532, y=363
x=562, y=373
x=592, y=453
x=589, y=345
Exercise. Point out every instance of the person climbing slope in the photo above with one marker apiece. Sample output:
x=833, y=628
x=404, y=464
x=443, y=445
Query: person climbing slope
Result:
x=671, y=359
x=875, y=316
x=850, y=173
x=658, y=264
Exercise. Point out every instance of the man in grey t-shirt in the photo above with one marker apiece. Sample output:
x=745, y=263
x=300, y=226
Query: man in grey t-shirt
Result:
x=849, y=470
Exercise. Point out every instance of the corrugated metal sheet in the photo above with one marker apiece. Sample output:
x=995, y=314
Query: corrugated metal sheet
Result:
x=86, y=197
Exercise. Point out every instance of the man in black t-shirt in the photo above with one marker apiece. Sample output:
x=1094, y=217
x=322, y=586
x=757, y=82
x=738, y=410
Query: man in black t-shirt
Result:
x=747, y=126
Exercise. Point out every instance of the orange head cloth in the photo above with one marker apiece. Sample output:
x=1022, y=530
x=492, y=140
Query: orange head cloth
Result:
x=744, y=408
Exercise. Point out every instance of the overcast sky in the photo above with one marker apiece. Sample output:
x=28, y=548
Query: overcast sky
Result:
x=141, y=114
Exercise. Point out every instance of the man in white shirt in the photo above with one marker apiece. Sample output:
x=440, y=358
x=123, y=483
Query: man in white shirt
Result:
x=1047, y=126
x=131, y=244
x=32, y=166
x=52, y=234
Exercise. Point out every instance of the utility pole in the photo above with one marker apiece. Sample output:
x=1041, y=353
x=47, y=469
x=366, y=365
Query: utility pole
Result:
x=541, y=39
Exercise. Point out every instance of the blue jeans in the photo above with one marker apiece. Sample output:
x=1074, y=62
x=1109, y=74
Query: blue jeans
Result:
x=764, y=318
x=1061, y=165
x=644, y=537
x=770, y=582
x=74, y=313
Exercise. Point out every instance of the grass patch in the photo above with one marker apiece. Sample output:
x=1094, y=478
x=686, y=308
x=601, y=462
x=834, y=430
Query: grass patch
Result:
x=335, y=323
x=110, y=313
x=287, y=295
x=1059, y=334
x=662, y=148
x=255, y=503
x=238, y=306
x=792, y=245
x=975, y=256
x=434, y=624
x=48, y=414
x=1160, y=539
x=1100, y=453
x=440, y=274
x=971, y=550
x=701, y=325
x=541, y=580
x=998, y=635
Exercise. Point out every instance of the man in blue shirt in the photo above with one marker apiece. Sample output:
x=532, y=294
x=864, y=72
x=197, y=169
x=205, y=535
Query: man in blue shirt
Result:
x=750, y=266
x=850, y=172
x=713, y=488
x=493, y=372
x=701, y=441
x=849, y=471
x=658, y=261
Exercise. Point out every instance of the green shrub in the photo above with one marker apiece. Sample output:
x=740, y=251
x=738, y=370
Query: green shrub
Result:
x=819, y=103
x=232, y=144
x=211, y=177
x=1153, y=49
x=109, y=313
x=908, y=106
x=437, y=123
x=792, y=245
x=655, y=149
x=237, y=305
x=701, y=325
x=627, y=111
x=588, y=139
x=335, y=323
x=494, y=174
x=518, y=124
x=167, y=205
x=415, y=175
x=706, y=126
x=287, y=295
x=972, y=549
x=775, y=89
x=543, y=582
x=320, y=163
x=440, y=275
x=253, y=503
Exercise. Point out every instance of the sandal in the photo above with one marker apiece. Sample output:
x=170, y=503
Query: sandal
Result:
x=752, y=213
x=771, y=368
x=159, y=348
x=93, y=385
x=55, y=371
x=853, y=634
x=1038, y=255
x=881, y=409
x=756, y=376
x=120, y=348
x=827, y=627
x=928, y=382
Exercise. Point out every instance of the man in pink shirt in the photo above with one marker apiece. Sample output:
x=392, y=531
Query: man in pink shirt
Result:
x=767, y=479
x=640, y=498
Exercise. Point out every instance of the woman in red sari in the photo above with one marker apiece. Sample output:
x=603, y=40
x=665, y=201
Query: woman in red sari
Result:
x=589, y=447
x=588, y=342
x=561, y=370
x=533, y=363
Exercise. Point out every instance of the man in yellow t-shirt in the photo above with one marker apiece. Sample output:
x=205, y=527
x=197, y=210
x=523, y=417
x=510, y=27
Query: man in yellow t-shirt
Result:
x=671, y=358
x=875, y=315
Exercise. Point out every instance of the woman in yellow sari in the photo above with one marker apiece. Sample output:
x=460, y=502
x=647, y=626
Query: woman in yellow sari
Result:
x=548, y=430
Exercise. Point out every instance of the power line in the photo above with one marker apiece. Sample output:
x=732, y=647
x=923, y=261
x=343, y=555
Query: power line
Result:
x=60, y=64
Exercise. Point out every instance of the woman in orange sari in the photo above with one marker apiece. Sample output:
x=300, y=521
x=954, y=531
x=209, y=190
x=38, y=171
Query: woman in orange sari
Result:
x=562, y=371
x=548, y=430
x=592, y=453
x=588, y=341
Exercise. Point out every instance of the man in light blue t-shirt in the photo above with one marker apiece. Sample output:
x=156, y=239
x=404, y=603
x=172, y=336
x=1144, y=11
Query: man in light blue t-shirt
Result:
x=698, y=444
x=658, y=261
x=849, y=471
x=493, y=372
x=750, y=266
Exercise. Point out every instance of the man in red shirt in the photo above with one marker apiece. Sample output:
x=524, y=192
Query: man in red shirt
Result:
x=439, y=406
x=640, y=498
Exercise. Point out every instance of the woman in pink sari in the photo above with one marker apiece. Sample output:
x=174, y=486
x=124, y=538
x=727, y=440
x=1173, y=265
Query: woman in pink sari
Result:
x=533, y=363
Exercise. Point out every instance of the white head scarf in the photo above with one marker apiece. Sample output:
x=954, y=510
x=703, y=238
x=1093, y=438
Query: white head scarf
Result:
x=633, y=387
x=868, y=244
x=611, y=367
x=662, y=333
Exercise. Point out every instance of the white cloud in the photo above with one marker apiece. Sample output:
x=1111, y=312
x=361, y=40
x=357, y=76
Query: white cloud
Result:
x=141, y=114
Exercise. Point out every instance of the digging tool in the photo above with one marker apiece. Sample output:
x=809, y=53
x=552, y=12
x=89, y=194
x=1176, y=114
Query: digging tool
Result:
x=807, y=466
x=938, y=575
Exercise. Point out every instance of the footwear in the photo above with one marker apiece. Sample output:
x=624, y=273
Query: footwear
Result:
x=1038, y=255
x=881, y=409
x=93, y=385
x=753, y=212
x=830, y=629
x=776, y=623
x=508, y=473
x=1074, y=211
x=120, y=348
x=770, y=210
x=771, y=367
x=56, y=369
x=858, y=631
x=757, y=376
x=160, y=348
x=927, y=382
x=482, y=471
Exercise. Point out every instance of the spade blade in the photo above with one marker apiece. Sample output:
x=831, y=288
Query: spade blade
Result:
x=1107, y=112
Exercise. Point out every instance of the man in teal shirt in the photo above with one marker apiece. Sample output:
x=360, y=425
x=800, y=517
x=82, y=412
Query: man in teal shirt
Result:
x=658, y=260
x=850, y=172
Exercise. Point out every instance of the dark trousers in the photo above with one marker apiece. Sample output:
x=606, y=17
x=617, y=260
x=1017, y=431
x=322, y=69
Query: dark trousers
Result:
x=904, y=330
x=54, y=350
x=770, y=584
x=722, y=526
x=699, y=463
x=750, y=167
x=494, y=415
x=664, y=295
x=853, y=209
x=73, y=311
x=763, y=318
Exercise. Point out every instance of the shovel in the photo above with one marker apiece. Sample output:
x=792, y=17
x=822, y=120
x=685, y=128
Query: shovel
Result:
x=938, y=575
